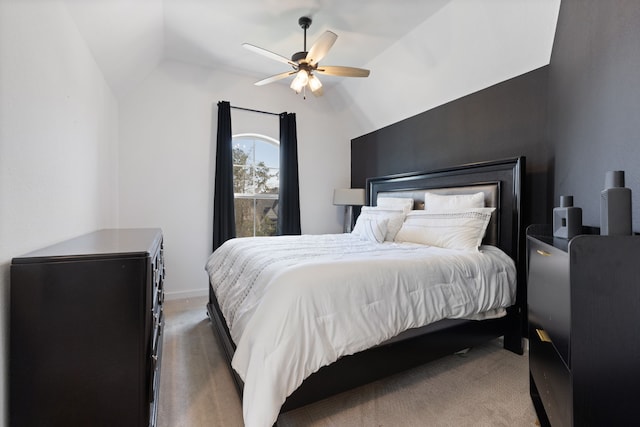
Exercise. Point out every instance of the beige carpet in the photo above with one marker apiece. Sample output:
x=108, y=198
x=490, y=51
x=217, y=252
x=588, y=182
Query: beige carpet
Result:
x=487, y=386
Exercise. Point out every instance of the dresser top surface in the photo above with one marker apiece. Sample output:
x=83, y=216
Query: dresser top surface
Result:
x=107, y=243
x=544, y=233
x=590, y=240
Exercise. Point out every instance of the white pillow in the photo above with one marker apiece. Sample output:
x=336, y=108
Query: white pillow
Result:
x=394, y=218
x=461, y=229
x=404, y=203
x=372, y=229
x=447, y=202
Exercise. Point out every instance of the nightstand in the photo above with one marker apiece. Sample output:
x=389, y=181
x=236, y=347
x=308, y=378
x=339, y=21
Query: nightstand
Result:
x=584, y=321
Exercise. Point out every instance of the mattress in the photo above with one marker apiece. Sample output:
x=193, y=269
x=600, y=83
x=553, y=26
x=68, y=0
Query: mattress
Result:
x=296, y=303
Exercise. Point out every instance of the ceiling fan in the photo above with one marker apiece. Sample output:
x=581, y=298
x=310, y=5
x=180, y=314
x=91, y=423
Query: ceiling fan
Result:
x=306, y=63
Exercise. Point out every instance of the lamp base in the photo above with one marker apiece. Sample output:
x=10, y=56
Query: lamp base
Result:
x=348, y=219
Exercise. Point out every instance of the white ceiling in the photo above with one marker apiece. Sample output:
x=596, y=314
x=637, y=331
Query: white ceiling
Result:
x=129, y=38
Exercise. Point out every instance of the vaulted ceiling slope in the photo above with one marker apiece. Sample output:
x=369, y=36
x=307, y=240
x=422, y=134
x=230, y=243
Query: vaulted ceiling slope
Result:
x=129, y=38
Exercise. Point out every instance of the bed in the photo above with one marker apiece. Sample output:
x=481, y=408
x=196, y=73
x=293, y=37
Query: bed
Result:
x=379, y=350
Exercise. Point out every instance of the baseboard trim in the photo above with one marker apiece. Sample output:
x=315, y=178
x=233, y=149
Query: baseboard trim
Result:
x=194, y=293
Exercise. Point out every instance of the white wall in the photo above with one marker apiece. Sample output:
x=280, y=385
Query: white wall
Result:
x=466, y=46
x=58, y=141
x=167, y=157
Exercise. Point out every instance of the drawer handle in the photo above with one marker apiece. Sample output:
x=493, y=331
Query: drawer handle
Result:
x=544, y=337
x=543, y=253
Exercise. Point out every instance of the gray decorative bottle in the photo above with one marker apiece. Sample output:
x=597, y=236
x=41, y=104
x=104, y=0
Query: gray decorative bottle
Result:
x=615, y=206
x=567, y=219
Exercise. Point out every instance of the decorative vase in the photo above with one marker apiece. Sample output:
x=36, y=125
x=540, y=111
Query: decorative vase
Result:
x=615, y=206
x=567, y=219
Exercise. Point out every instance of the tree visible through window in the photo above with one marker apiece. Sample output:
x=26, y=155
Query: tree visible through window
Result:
x=256, y=167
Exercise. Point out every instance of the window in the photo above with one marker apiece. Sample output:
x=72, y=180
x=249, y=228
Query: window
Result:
x=256, y=167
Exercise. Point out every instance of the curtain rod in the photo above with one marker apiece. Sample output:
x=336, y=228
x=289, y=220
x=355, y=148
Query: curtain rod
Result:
x=254, y=111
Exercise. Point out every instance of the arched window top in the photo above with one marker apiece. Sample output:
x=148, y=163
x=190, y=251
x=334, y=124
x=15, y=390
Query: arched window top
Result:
x=257, y=136
x=258, y=148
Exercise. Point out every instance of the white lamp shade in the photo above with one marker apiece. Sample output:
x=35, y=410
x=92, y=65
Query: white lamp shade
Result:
x=300, y=81
x=314, y=83
x=348, y=196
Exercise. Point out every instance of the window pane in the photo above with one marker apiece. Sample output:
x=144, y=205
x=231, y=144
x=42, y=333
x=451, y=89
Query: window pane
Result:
x=273, y=184
x=243, y=180
x=243, y=149
x=244, y=217
x=266, y=217
x=256, y=185
x=267, y=153
x=266, y=179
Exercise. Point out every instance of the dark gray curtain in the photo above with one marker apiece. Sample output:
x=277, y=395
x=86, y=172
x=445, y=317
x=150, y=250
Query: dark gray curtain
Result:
x=224, y=224
x=289, y=205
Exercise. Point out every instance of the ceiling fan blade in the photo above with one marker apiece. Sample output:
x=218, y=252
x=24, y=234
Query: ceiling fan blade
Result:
x=321, y=47
x=275, y=78
x=335, y=70
x=268, y=54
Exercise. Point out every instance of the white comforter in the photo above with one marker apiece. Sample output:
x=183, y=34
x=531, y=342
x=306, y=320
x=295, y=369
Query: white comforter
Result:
x=296, y=303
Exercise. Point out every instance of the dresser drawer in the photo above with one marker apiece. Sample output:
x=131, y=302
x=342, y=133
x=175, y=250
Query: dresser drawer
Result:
x=549, y=294
x=552, y=378
x=158, y=272
x=154, y=378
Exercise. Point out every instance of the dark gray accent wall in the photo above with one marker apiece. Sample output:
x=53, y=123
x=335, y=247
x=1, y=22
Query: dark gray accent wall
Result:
x=505, y=120
x=574, y=119
x=594, y=101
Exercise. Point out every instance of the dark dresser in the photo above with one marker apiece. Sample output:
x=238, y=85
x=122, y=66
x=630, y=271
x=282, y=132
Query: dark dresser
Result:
x=584, y=328
x=86, y=325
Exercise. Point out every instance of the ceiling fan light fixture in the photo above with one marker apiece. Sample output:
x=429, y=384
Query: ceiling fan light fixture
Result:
x=314, y=83
x=301, y=80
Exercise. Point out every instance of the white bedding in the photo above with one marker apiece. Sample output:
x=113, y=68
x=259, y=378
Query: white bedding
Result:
x=296, y=303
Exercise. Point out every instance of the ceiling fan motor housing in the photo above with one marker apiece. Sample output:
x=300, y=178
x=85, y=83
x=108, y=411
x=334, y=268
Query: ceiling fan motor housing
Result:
x=304, y=22
x=298, y=56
